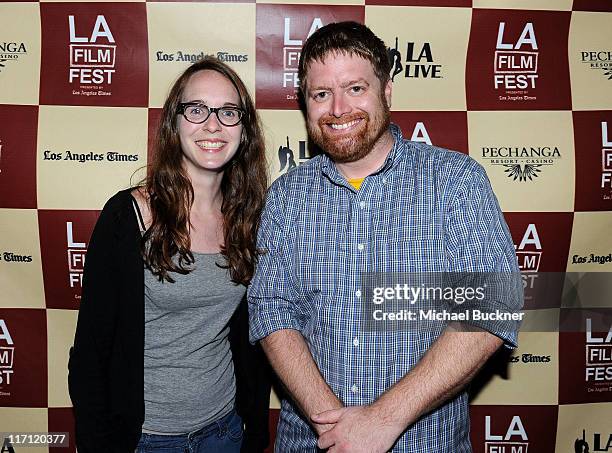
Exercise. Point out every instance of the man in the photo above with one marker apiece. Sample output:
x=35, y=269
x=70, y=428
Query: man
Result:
x=373, y=202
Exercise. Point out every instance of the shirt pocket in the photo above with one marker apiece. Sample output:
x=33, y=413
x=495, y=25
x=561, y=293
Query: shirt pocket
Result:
x=413, y=255
x=318, y=264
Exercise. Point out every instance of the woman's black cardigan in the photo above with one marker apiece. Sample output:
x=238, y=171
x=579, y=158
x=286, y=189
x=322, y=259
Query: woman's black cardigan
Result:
x=106, y=367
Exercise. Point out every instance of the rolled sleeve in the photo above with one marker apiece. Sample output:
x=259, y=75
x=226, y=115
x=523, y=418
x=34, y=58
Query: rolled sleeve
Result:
x=479, y=241
x=273, y=294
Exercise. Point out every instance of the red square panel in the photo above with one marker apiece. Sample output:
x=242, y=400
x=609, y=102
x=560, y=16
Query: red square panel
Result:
x=281, y=31
x=517, y=60
x=23, y=357
x=428, y=3
x=585, y=356
x=18, y=156
x=541, y=241
x=64, y=236
x=153, y=124
x=593, y=144
x=520, y=429
x=94, y=54
x=592, y=5
x=61, y=420
x=445, y=129
x=273, y=423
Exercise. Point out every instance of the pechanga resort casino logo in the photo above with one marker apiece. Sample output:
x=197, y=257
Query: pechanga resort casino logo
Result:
x=418, y=62
x=10, y=52
x=522, y=164
x=598, y=60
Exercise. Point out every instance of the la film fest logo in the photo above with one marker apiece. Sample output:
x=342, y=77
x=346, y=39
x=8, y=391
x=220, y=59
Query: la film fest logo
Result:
x=76, y=258
x=419, y=63
x=7, y=356
x=92, y=58
x=598, y=442
x=598, y=60
x=516, y=64
x=292, y=48
x=287, y=157
x=598, y=365
x=522, y=163
x=11, y=51
x=180, y=56
x=606, y=162
x=529, y=256
x=513, y=440
x=420, y=134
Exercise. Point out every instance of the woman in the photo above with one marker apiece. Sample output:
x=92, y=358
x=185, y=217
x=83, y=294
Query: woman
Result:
x=164, y=284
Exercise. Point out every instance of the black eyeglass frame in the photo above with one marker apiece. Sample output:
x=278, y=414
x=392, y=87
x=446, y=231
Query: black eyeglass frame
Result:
x=183, y=105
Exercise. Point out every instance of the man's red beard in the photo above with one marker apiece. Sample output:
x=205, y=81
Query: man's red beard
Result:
x=353, y=145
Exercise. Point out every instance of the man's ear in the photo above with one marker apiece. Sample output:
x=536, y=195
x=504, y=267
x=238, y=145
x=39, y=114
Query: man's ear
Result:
x=388, y=91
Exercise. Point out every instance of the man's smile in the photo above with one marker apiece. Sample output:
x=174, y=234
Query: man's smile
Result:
x=345, y=126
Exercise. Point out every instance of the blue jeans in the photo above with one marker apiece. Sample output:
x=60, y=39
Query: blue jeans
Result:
x=222, y=436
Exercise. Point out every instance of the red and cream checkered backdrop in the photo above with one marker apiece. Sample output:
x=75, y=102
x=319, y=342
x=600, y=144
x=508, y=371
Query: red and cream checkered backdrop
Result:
x=524, y=87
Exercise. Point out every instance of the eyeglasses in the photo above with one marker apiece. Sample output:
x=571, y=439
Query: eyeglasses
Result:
x=197, y=113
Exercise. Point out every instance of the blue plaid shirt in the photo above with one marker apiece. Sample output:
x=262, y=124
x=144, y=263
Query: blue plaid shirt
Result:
x=426, y=210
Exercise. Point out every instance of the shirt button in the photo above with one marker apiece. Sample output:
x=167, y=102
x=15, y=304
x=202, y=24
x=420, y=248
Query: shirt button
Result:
x=362, y=204
x=384, y=180
x=356, y=341
x=354, y=388
x=358, y=293
x=360, y=247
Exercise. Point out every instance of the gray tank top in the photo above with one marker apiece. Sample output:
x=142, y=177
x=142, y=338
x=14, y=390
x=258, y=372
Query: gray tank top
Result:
x=188, y=371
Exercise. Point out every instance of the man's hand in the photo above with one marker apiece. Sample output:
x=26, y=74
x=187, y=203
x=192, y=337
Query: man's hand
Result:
x=358, y=429
x=292, y=361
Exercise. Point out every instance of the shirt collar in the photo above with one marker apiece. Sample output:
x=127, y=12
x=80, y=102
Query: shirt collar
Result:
x=328, y=167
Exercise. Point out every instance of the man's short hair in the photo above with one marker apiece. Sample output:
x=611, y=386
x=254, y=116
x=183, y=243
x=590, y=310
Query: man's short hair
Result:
x=350, y=38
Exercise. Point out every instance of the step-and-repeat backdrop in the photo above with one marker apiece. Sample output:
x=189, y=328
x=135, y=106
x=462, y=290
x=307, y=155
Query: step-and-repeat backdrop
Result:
x=524, y=87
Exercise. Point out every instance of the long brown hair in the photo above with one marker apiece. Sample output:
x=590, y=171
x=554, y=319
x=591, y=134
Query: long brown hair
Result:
x=170, y=192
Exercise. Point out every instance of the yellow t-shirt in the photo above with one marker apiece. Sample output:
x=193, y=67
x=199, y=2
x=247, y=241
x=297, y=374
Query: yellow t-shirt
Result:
x=356, y=183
